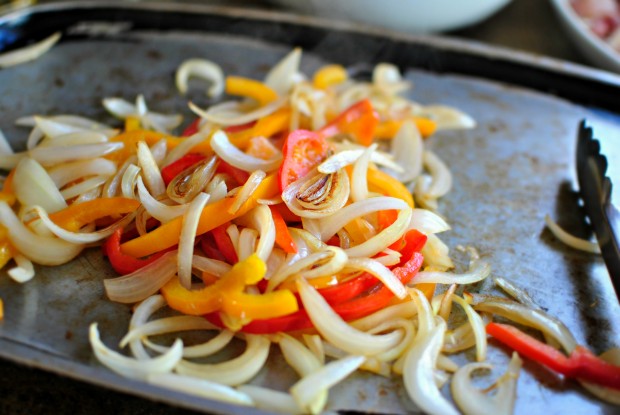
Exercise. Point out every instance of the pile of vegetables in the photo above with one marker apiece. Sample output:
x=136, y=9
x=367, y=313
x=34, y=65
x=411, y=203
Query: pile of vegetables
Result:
x=297, y=212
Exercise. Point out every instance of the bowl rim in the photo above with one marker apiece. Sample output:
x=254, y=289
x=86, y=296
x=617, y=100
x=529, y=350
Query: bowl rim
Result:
x=581, y=29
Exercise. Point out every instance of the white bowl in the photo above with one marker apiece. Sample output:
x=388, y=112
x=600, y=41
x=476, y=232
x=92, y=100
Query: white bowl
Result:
x=594, y=49
x=413, y=16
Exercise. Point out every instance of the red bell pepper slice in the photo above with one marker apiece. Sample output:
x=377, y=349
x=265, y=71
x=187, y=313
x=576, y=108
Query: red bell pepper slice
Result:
x=208, y=246
x=192, y=128
x=376, y=298
x=302, y=150
x=581, y=364
x=283, y=235
x=122, y=263
x=413, y=241
x=360, y=120
x=238, y=175
x=224, y=244
x=173, y=169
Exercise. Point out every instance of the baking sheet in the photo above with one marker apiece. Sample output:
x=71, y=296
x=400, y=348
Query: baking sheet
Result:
x=514, y=168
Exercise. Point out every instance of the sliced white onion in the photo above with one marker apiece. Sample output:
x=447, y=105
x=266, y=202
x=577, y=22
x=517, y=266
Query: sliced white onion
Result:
x=33, y=186
x=235, y=371
x=428, y=222
x=67, y=123
x=440, y=173
x=140, y=316
x=478, y=271
x=247, y=243
x=207, y=348
x=42, y=250
x=387, y=77
x=64, y=154
x=160, y=211
x=306, y=390
x=344, y=158
x=130, y=367
x=515, y=292
x=304, y=362
x=359, y=184
x=149, y=119
x=436, y=254
x=187, y=238
x=333, y=223
x=334, y=190
x=129, y=180
x=83, y=187
x=24, y=271
x=144, y=282
x=200, y=387
x=472, y=401
x=30, y=52
x=407, y=150
x=212, y=266
x=336, y=331
x=271, y=400
x=200, y=68
x=9, y=161
x=477, y=325
x=246, y=191
x=111, y=188
x=79, y=237
x=184, y=147
x=76, y=138
x=261, y=220
x=533, y=318
x=69, y=172
x=238, y=118
x=418, y=373
x=570, y=240
x=285, y=73
x=383, y=239
x=165, y=325
x=237, y=158
x=448, y=118
x=404, y=310
x=150, y=170
x=5, y=147
x=328, y=261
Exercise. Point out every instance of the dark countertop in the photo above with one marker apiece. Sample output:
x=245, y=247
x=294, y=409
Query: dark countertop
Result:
x=528, y=25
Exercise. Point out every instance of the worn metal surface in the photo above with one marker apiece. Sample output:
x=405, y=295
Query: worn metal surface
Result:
x=514, y=168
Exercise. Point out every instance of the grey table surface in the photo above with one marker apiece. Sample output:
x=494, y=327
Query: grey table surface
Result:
x=528, y=25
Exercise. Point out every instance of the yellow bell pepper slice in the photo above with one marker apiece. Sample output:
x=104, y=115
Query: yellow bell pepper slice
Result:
x=227, y=294
x=212, y=216
x=132, y=124
x=250, y=88
x=7, y=194
x=6, y=249
x=267, y=127
x=388, y=129
x=383, y=183
x=75, y=216
x=329, y=75
x=259, y=306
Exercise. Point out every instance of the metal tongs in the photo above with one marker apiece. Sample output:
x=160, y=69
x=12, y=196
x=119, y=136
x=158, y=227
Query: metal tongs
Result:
x=595, y=189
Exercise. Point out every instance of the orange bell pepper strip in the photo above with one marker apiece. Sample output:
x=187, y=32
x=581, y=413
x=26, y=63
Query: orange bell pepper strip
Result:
x=388, y=129
x=75, y=216
x=385, y=184
x=246, y=87
x=329, y=75
x=212, y=215
x=283, y=236
x=7, y=194
x=267, y=126
x=6, y=249
x=359, y=120
x=227, y=294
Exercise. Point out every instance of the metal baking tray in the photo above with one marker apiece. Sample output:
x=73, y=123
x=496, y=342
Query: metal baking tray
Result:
x=515, y=167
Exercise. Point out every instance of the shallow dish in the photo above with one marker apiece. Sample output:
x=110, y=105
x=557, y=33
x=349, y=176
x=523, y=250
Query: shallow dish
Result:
x=595, y=49
x=412, y=16
x=517, y=166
